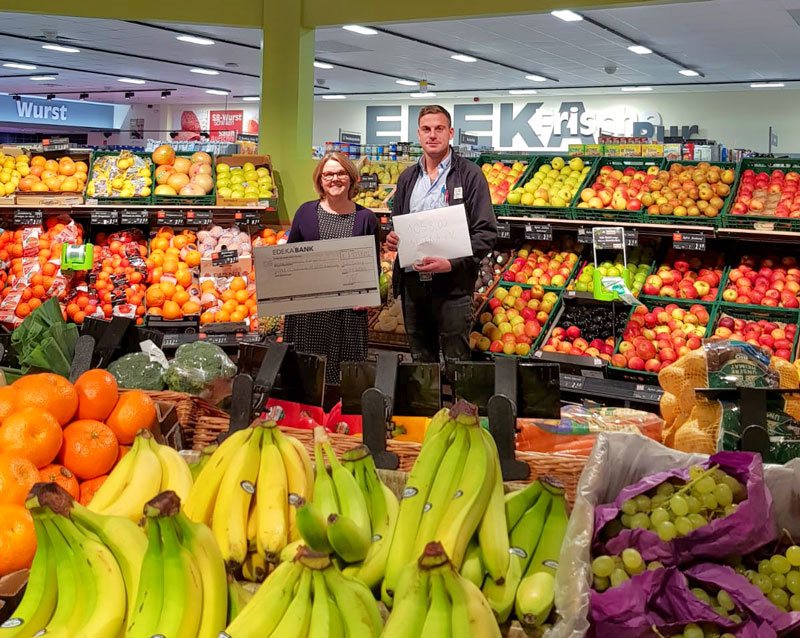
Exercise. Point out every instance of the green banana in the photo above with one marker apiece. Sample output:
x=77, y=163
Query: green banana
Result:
x=547, y=551
x=229, y=521
x=472, y=567
x=324, y=490
x=39, y=601
x=444, y=486
x=290, y=551
x=362, y=617
x=493, y=529
x=297, y=618
x=200, y=463
x=348, y=495
x=199, y=540
x=411, y=602
x=238, y=597
x=299, y=476
x=472, y=616
x=535, y=597
x=143, y=619
x=348, y=539
x=262, y=614
x=199, y=505
x=439, y=620
x=415, y=495
x=313, y=525
x=322, y=623
x=520, y=501
x=438, y=422
x=272, y=498
x=523, y=540
x=466, y=508
x=337, y=624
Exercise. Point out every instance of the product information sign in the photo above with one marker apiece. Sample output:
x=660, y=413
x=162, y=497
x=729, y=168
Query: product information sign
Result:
x=317, y=275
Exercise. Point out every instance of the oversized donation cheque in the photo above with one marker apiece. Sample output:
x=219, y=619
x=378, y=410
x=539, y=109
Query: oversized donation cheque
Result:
x=439, y=232
x=316, y=275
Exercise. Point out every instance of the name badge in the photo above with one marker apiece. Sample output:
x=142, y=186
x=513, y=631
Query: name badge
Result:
x=458, y=193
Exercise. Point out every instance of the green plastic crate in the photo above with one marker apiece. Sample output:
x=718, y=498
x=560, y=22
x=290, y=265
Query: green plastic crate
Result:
x=506, y=159
x=508, y=284
x=718, y=299
x=121, y=201
x=550, y=211
x=760, y=222
x=742, y=306
x=756, y=313
x=181, y=200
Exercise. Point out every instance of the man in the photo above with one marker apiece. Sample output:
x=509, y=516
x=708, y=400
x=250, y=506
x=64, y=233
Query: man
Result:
x=437, y=293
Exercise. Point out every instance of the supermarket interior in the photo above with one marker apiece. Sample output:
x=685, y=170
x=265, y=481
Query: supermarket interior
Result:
x=400, y=319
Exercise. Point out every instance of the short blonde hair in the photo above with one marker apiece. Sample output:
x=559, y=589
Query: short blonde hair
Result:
x=346, y=163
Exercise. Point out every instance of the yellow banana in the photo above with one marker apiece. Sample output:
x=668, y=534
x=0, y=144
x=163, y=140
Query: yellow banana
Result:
x=322, y=624
x=410, y=604
x=472, y=616
x=144, y=484
x=535, y=597
x=438, y=422
x=472, y=566
x=360, y=616
x=255, y=567
x=299, y=475
x=120, y=476
x=297, y=617
x=175, y=473
x=272, y=500
x=493, y=529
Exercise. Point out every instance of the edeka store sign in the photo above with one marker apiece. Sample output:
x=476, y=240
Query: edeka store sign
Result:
x=56, y=112
x=528, y=126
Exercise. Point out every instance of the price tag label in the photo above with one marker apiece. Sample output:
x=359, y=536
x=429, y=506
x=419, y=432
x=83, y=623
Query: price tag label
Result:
x=171, y=218
x=134, y=217
x=225, y=257
x=368, y=182
x=503, y=230
x=104, y=218
x=200, y=217
x=539, y=232
x=688, y=241
x=247, y=216
x=28, y=217
x=631, y=237
x=608, y=238
x=584, y=235
x=571, y=381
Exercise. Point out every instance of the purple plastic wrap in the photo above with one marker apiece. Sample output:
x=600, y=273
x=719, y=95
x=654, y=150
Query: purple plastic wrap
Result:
x=748, y=528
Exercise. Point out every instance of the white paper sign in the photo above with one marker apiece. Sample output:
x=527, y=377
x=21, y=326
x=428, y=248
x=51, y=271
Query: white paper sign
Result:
x=316, y=275
x=440, y=232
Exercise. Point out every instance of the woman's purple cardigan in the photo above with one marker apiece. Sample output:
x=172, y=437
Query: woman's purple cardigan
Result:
x=305, y=225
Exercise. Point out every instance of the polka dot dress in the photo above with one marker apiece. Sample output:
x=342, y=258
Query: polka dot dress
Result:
x=341, y=335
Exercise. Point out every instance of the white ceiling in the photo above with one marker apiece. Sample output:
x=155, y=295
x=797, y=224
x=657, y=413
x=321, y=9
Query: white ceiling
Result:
x=727, y=40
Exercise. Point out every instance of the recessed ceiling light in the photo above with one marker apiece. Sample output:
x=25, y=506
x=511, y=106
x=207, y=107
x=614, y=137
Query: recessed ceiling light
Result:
x=767, y=85
x=334, y=97
x=463, y=58
x=251, y=98
x=193, y=39
x=40, y=78
x=216, y=92
x=62, y=49
x=406, y=82
x=522, y=92
x=639, y=49
x=636, y=89
x=536, y=78
x=567, y=16
x=17, y=65
x=204, y=71
x=422, y=94
x=130, y=81
x=322, y=65
x=689, y=73
x=357, y=28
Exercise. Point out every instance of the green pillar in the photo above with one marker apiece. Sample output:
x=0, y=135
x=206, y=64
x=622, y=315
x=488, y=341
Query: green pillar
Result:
x=287, y=102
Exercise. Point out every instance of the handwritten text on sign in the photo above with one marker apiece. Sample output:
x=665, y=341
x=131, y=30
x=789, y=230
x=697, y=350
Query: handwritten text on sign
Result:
x=441, y=232
x=316, y=275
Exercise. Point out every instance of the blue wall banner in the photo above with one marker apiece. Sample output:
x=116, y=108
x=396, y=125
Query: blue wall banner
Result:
x=29, y=110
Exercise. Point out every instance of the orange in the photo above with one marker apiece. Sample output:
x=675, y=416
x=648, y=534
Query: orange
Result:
x=67, y=167
x=191, y=308
x=180, y=297
x=51, y=165
x=192, y=258
x=17, y=476
x=123, y=450
x=206, y=317
x=70, y=184
x=179, y=241
x=38, y=160
x=171, y=310
x=155, y=296
x=168, y=288
x=134, y=411
x=90, y=448
x=237, y=316
x=97, y=394
x=159, y=243
x=60, y=475
x=38, y=187
x=229, y=306
x=17, y=538
x=241, y=296
x=222, y=316
x=184, y=276
x=88, y=488
x=31, y=433
x=49, y=392
x=7, y=401
x=237, y=283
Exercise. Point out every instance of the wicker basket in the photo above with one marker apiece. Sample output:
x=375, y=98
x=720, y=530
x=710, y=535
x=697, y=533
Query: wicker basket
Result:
x=189, y=409
x=558, y=468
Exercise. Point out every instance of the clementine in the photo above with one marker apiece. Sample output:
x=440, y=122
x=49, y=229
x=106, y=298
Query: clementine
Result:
x=90, y=448
x=17, y=476
x=134, y=410
x=31, y=433
x=97, y=394
x=88, y=488
x=60, y=475
x=7, y=401
x=49, y=392
x=17, y=538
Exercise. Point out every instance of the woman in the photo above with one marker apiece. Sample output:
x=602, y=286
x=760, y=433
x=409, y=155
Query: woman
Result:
x=341, y=335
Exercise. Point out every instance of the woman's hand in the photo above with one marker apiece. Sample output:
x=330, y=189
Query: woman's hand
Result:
x=392, y=240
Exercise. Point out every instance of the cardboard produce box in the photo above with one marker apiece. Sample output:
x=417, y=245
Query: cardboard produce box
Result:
x=258, y=161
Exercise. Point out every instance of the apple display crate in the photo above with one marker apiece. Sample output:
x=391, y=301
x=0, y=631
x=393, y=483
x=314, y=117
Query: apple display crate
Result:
x=507, y=159
x=787, y=316
x=552, y=212
x=651, y=378
x=745, y=306
x=664, y=300
x=760, y=222
x=611, y=215
x=573, y=273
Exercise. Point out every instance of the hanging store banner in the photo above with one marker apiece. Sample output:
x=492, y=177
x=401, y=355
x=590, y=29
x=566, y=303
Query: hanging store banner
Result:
x=225, y=126
x=32, y=110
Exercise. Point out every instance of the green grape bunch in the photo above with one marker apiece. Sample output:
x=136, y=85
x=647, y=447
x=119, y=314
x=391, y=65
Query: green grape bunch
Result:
x=612, y=571
x=778, y=578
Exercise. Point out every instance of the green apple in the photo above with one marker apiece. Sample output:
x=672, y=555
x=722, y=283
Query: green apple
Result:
x=262, y=171
x=248, y=166
x=222, y=167
x=224, y=191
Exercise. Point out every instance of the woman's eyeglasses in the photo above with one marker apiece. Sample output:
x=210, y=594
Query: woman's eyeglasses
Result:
x=329, y=177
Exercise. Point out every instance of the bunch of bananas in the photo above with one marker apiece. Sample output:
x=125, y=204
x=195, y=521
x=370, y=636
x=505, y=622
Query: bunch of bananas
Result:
x=146, y=470
x=308, y=596
x=243, y=492
x=353, y=513
x=454, y=490
x=433, y=600
x=537, y=519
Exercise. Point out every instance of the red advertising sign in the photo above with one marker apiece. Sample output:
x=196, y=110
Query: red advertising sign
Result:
x=224, y=126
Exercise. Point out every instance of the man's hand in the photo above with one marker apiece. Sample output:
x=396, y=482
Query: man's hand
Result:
x=434, y=265
x=391, y=241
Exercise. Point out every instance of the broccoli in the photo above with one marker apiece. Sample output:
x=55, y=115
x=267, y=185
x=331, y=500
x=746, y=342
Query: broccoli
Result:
x=196, y=365
x=136, y=371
